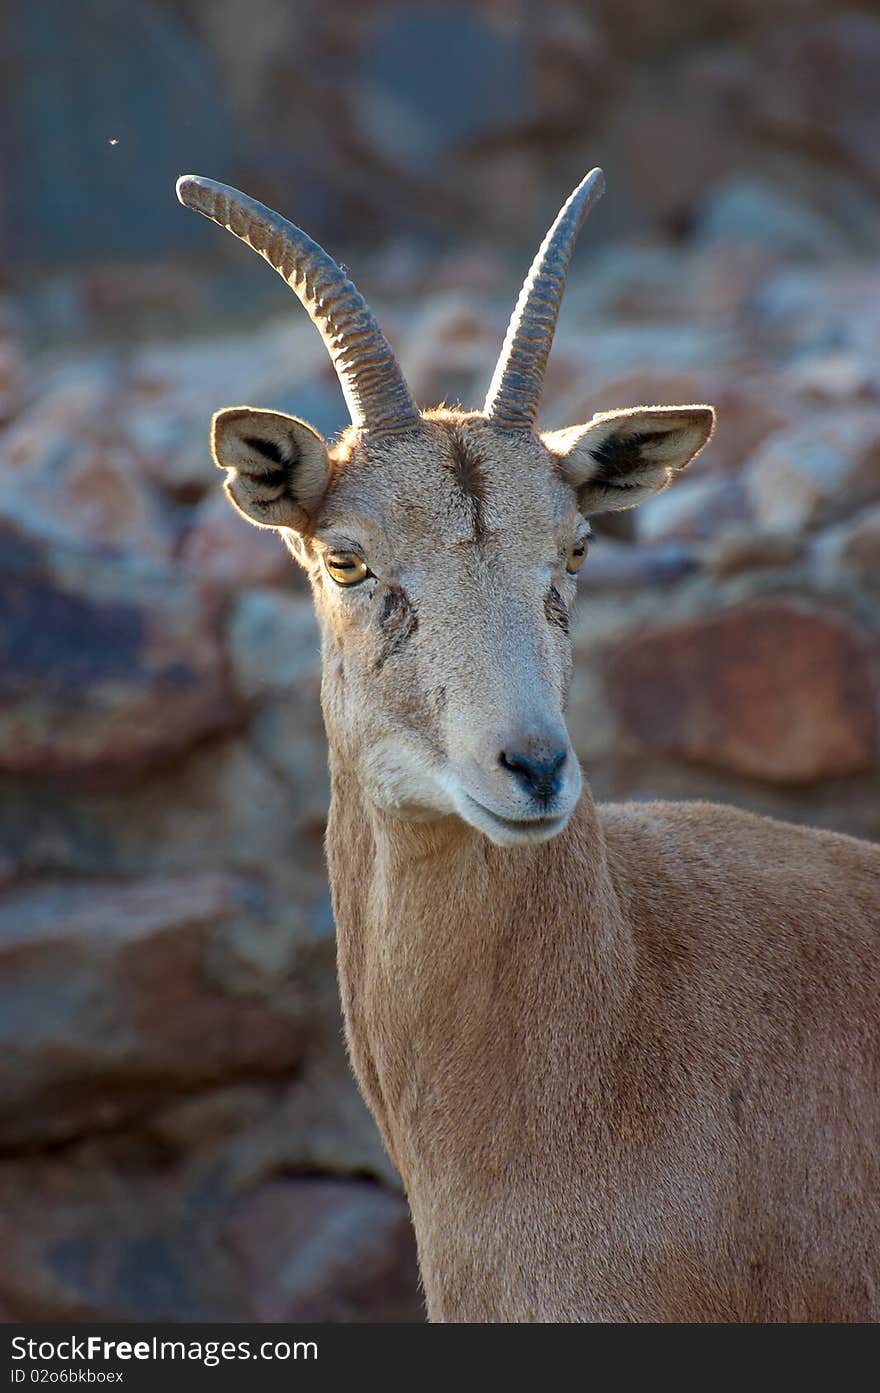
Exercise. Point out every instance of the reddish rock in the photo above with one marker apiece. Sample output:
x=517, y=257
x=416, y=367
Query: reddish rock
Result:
x=647, y=387
x=227, y=553
x=118, y=995
x=326, y=1250
x=747, y=550
x=68, y=470
x=117, y=1229
x=745, y=417
x=105, y=666
x=826, y=106
x=773, y=690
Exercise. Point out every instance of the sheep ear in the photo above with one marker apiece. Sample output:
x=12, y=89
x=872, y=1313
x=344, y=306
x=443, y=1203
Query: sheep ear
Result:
x=621, y=457
x=276, y=465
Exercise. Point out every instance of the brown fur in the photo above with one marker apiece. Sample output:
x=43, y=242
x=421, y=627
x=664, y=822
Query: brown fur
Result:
x=630, y=1074
x=628, y=1064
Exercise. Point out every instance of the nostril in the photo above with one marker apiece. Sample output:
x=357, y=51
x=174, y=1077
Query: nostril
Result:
x=539, y=776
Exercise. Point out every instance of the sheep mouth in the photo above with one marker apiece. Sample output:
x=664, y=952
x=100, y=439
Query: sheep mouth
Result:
x=509, y=830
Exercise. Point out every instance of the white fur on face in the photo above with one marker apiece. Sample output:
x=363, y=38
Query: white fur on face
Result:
x=398, y=778
x=455, y=648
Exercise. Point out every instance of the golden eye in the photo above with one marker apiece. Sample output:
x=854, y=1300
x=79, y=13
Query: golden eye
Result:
x=346, y=567
x=577, y=553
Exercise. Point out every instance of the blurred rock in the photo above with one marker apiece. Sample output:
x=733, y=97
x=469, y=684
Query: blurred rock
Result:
x=117, y=995
x=725, y=277
x=616, y=566
x=223, y=806
x=433, y=81
x=635, y=282
x=183, y=1138
x=746, y=550
x=811, y=310
x=12, y=379
x=860, y=545
x=746, y=414
x=94, y=1233
x=115, y=1230
x=620, y=349
x=749, y=210
x=827, y=103
x=116, y=293
x=693, y=510
x=774, y=691
x=818, y=470
x=833, y=379
x=646, y=387
x=316, y=1123
x=68, y=470
x=447, y=354
x=225, y=552
x=105, y=667
x=273, y=640
x=326, y=1250
x=445, y=120
x=702, y=126
x=275, y=652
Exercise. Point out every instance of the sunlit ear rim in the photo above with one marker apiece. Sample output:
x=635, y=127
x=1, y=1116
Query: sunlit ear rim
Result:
x=346, y=568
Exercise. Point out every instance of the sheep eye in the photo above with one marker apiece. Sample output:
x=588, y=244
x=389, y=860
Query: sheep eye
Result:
x=346, y=567
x=576, y=556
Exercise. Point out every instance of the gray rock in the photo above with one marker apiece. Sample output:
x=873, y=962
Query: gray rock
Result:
x=819, y=470
x=273, y=641
x=693, y=510
x=750, y=210
x=433, y=81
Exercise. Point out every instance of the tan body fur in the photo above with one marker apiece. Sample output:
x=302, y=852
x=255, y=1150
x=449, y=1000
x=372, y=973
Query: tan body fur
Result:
x=622, y=1080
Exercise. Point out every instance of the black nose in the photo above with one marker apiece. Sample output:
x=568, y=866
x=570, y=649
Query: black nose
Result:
x=539, y=777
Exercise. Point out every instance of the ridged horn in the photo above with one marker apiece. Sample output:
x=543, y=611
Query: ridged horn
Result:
x=377, y=397
x=515, y=390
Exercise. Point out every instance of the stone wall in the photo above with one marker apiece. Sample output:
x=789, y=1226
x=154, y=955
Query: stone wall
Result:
x=444, y=119
x=180, y=1134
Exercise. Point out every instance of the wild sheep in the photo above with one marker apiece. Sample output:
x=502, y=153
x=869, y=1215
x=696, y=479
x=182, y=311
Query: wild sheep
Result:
x=625, y=1058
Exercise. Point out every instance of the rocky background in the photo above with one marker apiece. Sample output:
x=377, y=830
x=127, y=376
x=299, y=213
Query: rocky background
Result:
x=180, y=1135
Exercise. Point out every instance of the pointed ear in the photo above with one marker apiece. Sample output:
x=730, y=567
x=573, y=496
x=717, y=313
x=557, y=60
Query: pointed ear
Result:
x=621, y=457
x=276, y=466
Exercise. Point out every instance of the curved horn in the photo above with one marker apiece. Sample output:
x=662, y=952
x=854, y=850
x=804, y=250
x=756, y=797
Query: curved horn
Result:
x=515, y=390
x=377, y=397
